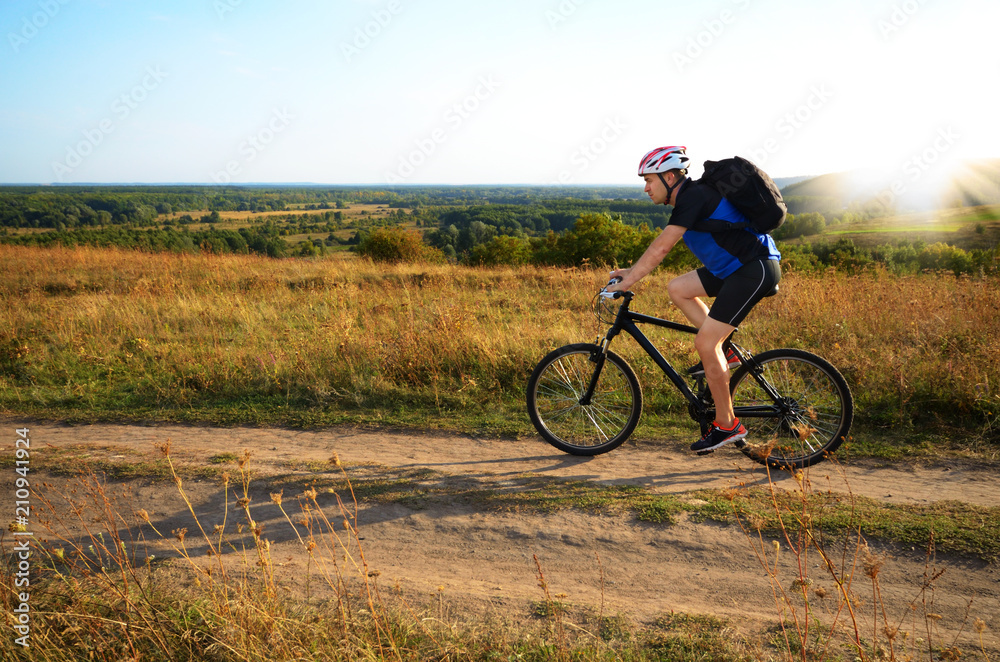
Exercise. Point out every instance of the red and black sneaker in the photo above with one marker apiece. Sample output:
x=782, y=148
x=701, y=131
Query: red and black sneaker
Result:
x=717, y=437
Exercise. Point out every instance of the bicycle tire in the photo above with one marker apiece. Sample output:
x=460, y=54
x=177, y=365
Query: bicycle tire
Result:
x=812, y=417
x=553, y=399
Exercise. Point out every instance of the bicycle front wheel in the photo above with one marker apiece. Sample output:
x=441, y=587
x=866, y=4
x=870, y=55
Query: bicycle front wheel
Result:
x=557, y=386
x=797, y=410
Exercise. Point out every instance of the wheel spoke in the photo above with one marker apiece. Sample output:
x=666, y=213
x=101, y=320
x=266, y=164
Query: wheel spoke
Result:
x=811, y=415
x=608, y=418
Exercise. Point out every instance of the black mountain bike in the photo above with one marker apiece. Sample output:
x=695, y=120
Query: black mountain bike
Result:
x=585, y=400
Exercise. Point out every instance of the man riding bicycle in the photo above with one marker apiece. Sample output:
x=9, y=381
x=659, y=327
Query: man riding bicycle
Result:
x=741, y=268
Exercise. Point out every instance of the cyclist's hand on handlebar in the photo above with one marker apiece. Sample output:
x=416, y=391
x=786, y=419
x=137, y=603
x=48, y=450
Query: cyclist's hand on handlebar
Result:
x=613, y=287
x=617, y=278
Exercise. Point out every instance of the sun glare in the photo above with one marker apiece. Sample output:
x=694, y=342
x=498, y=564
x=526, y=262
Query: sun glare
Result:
x=929, y=177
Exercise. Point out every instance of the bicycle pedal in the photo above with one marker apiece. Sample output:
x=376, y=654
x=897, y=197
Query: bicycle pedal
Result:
x=739, y=443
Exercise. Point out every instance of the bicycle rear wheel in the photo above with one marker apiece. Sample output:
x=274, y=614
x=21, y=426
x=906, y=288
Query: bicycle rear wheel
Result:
x=810, y=416
x=556, y=387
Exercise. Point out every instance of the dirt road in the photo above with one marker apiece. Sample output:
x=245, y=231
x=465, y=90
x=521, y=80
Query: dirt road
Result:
x=643, y=569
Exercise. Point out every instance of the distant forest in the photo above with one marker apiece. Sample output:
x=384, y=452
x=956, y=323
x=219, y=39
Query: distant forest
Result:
x=566, y=226
x=73, y=206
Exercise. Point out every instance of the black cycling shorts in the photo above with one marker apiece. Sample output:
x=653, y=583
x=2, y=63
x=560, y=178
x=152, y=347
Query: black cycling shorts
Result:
x=736, y=295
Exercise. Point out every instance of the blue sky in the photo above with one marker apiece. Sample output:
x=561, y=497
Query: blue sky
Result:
x=512, y=92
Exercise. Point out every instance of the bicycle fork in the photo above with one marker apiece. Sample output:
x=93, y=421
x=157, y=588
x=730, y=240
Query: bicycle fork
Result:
x=599, y=359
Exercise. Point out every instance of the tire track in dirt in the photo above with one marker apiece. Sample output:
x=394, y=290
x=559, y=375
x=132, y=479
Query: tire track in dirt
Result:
x=488, y=558
x=660, y=468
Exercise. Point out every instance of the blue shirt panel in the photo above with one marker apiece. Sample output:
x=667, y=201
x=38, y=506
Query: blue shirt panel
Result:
x=717, y=259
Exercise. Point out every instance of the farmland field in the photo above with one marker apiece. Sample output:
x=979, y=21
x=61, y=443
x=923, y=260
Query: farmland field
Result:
x=179, y=401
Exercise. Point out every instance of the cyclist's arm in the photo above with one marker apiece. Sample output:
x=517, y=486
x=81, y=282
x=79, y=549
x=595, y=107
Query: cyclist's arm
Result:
x=657, y=250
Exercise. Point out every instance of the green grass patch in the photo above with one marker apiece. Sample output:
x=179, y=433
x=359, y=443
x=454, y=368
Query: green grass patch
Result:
x=952, y=526
x=223, y=458
x=681, y=636
x=114, y=463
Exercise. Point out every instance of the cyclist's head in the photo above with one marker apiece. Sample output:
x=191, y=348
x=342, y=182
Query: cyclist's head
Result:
x=662, y=160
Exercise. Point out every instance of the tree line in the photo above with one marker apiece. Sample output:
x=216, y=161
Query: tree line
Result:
x=603, y=241
x=260, y=240
x=89, y=206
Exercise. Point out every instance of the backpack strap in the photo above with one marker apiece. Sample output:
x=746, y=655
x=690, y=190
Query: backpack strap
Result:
x=718, y=225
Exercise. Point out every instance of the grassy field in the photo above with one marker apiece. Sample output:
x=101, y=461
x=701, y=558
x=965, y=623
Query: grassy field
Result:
x=92, y=335
x=354, y=210
x=106, y=335
x=966, y=228
x=358, y=214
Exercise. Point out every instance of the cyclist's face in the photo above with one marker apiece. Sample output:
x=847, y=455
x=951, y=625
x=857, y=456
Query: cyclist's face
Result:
x=655, y=189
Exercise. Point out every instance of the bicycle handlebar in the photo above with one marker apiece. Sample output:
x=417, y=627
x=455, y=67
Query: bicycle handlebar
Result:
x=604, y=294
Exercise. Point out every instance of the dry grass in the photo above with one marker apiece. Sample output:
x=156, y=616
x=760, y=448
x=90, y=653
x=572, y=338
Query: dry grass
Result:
x=99, y=593
x=108, y=334
x=828, y=593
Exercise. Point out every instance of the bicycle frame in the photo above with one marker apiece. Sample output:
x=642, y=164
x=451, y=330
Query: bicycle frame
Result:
x=628, y=321
x=801, y=406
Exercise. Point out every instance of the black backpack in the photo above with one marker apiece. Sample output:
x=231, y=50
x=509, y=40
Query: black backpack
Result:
x=750, y=190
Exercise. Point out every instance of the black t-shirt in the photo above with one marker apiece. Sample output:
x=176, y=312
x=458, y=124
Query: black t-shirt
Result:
x=721, y=252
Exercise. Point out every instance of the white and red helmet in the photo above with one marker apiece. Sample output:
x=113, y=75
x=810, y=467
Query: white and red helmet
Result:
x=663, y=159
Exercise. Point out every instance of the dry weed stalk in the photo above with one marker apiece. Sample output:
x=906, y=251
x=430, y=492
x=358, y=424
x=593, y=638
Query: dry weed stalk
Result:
x=553, y=610
x=875, y=637
x=93, y=549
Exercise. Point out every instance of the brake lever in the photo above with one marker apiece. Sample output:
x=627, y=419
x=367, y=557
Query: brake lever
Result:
x=604, y=294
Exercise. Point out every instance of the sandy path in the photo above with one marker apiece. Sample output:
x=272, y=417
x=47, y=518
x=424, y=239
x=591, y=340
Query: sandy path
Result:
x=670, y=470
x=647, y=569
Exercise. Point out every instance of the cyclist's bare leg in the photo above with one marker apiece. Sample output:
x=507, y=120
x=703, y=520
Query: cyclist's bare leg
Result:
x=685, y=291
x=708, y=342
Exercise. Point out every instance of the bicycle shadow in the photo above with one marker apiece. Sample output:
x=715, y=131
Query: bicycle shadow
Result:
x=559, y=461
x=213, y=505
x=571, y=468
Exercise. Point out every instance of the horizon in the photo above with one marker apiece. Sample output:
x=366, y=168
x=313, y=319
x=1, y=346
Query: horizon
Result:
x=379, y=93
x=383, y=185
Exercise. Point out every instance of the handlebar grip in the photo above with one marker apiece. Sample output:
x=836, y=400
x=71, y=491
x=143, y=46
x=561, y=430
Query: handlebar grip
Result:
x=611, y=295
